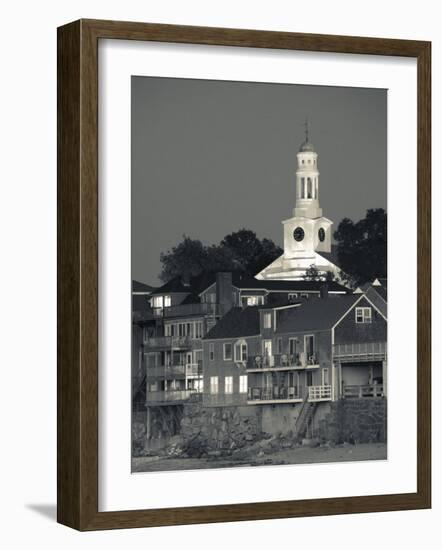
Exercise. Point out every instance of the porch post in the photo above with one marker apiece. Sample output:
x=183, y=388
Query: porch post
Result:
x=384, y=377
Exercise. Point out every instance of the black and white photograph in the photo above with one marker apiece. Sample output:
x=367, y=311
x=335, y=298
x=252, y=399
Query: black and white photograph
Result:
x=259, y=274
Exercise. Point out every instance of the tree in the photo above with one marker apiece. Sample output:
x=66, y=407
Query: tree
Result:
x=238, y=251
x=362, y=247
x=248, y=252
x=313, y=274
x=186, y=259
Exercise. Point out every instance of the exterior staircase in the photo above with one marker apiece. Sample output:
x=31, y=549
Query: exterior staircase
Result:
x=305, y=417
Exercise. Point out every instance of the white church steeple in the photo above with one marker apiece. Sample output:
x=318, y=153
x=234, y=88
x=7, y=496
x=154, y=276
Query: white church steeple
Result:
x=307, y=234
x=307, y=181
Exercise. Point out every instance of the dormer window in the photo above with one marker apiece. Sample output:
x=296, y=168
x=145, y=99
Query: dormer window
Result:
x=161, y=301
x=363, y=315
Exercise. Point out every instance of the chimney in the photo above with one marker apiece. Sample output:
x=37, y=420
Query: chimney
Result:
x=323, y=290
x=185, y=279
x=224, y=291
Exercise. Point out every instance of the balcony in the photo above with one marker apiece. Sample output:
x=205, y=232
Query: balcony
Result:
x=169, y=397
x=185, y=310
x=170, y=372
x=357, y=392
x=363, y=351
x=168, y=342
x=281, y=362
x=285, y=394
x=272, y=395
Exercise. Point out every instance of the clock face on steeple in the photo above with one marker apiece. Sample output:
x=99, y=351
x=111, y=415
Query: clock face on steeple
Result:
x=298, y=234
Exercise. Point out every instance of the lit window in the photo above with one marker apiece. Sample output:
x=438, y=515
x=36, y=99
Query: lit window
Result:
x=227, y=352
x=363, y=315
x=167, y=301
x=211, y=352
x=252, y=301
x=241, y=352
x=267, y=320
x=228, y=384
x=243, y=383
x=214, y=384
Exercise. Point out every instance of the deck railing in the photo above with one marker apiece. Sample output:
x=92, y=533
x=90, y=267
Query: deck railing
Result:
x=169, y=396
x=372, y=390
x=298, y=361
x=274, y=393
x=360, y=350
x=319, y=393
x=168, y=342
x=185, y=310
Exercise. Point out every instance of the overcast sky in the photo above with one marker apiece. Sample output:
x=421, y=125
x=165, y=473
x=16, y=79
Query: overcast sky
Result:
x=211, y=157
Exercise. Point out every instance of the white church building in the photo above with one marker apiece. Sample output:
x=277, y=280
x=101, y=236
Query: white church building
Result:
x=307, y=234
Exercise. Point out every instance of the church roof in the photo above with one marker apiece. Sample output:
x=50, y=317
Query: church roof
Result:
x=307, y=146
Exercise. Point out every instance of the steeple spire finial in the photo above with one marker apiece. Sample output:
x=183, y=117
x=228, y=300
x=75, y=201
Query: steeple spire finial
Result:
x=306, y=129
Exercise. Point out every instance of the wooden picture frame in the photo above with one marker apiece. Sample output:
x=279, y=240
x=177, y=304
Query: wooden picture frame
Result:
x=78, y=274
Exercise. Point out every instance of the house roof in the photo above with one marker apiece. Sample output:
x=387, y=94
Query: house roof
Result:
x=174, y=285
x=140, y=302
x=315, y=314
x=238, y=322
x=140, y=287
x=242, y=281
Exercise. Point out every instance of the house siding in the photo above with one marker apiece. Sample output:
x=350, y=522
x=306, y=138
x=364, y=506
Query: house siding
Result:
x=348, y=330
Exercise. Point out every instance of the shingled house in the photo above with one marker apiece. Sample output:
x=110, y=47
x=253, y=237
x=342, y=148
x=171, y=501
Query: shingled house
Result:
x=315, y=350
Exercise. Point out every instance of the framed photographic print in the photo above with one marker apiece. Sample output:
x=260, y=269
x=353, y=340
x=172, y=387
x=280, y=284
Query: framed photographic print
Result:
x=236, y=208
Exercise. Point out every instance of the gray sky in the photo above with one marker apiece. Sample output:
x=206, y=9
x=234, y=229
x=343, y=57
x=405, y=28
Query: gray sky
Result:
x=211, y=157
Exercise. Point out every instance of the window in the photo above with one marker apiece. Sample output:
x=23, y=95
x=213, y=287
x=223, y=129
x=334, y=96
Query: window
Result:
x=168, y=330
x=309, y=346
x=157, y=302
x=241, y=352
x=228, y=384
x=211, y=351
x=267, y=320
x=309, y=188
x=325, y=377
x=227, y=352
x=292, y=296
x=304, y=295
x=167, y=301
x=292, y=346
x=199, y=329
x=279, y=346
x=363, y=315
x=214, y=384
x=252, y=301
x=243, y=383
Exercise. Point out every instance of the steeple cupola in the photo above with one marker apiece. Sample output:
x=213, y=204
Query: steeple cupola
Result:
x=307, y=181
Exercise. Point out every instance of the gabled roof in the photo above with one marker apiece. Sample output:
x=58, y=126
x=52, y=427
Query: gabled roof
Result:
x=315, y=314
x=174, y=285
x=238, y=322
x=141, y=288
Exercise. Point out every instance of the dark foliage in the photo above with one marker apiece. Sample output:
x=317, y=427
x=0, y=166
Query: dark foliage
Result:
x=362, y=247
x=239, y=251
